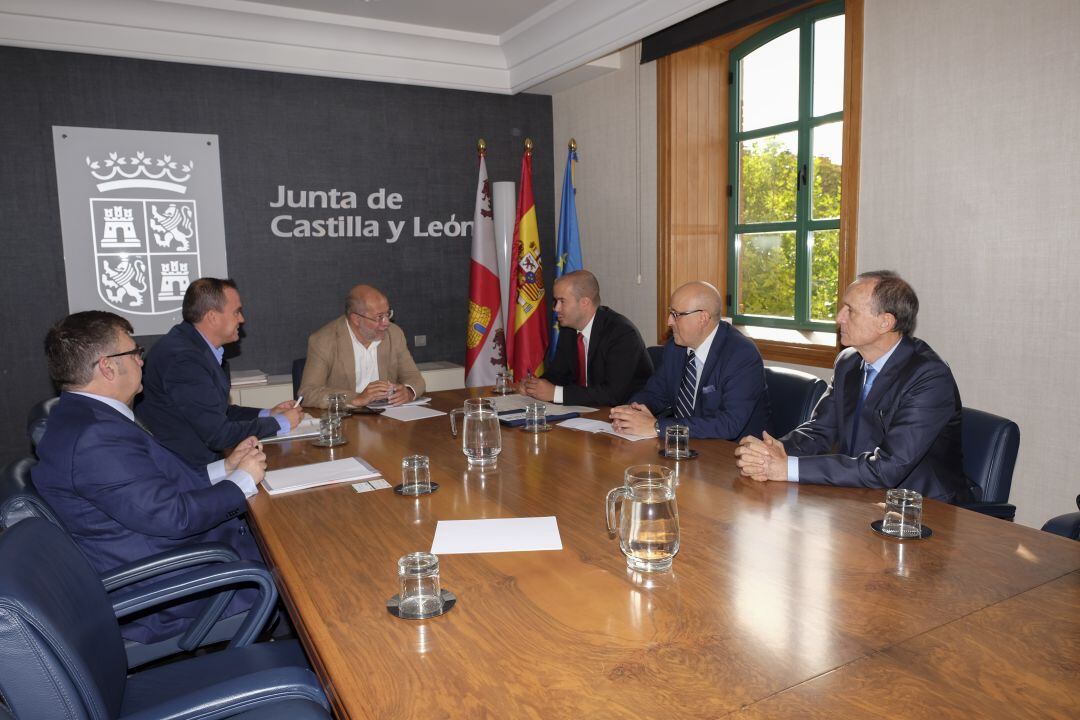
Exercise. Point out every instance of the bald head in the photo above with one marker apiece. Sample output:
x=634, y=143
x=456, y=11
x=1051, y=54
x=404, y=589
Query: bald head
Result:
x=696, y=308
x=362, y=297
x=582, y=284
x=576, y=296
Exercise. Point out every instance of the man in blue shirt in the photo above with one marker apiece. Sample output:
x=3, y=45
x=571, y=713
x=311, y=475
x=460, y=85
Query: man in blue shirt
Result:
x=891, y=417
x=120, y=494
x=185, y=399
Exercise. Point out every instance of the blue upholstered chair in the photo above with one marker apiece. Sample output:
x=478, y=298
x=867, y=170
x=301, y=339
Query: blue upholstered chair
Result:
x=61, y=655
x=37, y=418
x=1067, y=525
x=19, y=500
x=990, y=444
x=656, y=354
x=297, y=375
x=793, y=395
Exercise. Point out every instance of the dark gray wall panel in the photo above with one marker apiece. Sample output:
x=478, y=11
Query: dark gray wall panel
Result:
x=274, y=128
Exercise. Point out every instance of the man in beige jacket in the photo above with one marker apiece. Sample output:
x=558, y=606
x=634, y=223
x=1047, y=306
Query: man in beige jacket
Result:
x=361, y=355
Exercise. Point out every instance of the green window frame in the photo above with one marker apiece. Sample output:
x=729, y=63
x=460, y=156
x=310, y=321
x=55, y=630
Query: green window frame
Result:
x=804, y=126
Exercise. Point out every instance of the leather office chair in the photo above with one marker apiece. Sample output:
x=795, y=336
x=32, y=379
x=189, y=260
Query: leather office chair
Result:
x=61, y=654
x=297, y=375
x=19, y=500
x=37, y=418
x=990, y=444
x=793, y=395
x=1067, y=525
x=656, y=354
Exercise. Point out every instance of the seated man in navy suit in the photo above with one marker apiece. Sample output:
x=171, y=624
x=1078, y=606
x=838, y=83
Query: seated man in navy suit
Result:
x=600, y=358
x=185, y=400
x=711, y=378
x=891, y=417
x=119, y=493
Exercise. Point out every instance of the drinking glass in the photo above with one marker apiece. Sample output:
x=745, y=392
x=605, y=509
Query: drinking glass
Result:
x=677, y=441
x=648, y=520
x=503, y=384
x=536, y=417
x=418, y=578
x=415, y=475
x=330, y=430
x=903, y=513
x=335, y=405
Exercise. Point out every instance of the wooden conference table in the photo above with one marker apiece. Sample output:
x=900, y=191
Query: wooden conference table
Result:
x=781, y=603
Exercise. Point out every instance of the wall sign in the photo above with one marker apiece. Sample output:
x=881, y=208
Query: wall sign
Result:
x=141, y=217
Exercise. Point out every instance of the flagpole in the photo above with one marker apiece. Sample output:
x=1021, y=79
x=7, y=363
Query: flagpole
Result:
x=481, y=147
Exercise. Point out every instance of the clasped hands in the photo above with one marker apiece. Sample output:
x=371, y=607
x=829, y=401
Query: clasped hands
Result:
x=249, y=457
x=383, y=389
x=763, y=459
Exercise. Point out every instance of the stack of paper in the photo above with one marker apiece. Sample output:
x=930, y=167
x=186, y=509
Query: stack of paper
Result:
x=599, y=426
x=324, y=473
x=517, y=403
x=244, y=378
x=308, y=427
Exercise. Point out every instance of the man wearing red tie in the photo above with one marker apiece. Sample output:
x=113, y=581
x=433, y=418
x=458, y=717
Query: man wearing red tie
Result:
x=600, y=358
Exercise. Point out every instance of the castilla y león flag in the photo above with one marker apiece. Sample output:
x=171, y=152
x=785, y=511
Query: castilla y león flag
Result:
x=529, y=340
x=484, y=339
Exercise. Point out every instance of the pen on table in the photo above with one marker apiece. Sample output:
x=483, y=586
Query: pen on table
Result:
x=298, y=401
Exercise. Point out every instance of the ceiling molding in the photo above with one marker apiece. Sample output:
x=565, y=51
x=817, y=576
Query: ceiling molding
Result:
x=235, y=33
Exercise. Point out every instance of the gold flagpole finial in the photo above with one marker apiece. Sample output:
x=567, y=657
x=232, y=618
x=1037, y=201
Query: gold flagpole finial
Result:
x=528, y=145
x=572, y=145
x=481, y=146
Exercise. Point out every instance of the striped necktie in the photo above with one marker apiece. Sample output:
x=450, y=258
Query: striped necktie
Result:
x=684, y=403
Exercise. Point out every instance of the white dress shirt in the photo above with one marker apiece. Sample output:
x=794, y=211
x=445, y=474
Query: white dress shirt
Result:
x=586, y=333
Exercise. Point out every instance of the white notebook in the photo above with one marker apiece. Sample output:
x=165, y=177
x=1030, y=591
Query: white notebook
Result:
x=325, y=473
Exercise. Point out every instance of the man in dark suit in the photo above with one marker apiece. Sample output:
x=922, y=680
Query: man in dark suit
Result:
x=711, y=378
x=891, y=417
x=600, y=358
x=185, y=400
x=120, y=494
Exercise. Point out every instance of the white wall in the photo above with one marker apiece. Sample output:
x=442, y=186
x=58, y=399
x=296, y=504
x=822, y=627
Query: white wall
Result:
x=970, y=188
x=613, y=119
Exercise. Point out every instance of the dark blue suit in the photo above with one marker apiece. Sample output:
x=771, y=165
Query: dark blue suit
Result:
x=185, y=400
x=123, y=497
x=731, y=401
x=909, y=428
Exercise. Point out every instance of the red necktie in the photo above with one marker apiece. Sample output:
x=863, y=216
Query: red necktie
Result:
x=581, y=360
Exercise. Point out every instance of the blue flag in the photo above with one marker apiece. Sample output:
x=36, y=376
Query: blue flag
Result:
x=568, y=245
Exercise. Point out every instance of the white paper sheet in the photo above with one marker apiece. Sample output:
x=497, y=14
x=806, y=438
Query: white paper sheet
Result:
x=382, y=404
x=308, y=427
x=376, y=484
x=599, y=426
x=314, y=475
x=408, y=413
x=457, y=537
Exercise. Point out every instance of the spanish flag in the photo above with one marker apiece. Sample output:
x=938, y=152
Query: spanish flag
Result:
x=529, y=339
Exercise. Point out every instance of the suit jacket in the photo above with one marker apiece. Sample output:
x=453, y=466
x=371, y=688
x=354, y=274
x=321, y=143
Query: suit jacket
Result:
x=185, y=400
x=123, y=497
x=909, y=428
x=618, y=365
x=731, y=400
x=331, y=364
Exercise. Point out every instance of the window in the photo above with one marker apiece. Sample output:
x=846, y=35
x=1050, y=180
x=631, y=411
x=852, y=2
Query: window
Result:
x=785, y=158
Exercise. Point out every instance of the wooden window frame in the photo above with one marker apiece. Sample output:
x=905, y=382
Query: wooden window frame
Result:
x=693, y=165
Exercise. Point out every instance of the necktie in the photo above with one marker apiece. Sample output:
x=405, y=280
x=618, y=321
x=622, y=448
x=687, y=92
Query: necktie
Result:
x=868, y=381
x=684, y=403
x=582, y=359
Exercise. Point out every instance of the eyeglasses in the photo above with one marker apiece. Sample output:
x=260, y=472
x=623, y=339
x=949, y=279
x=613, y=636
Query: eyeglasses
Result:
x=137, y=351
x=381, y=317
x=675, y=314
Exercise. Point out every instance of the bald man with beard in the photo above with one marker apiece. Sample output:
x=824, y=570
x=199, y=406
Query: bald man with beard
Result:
x=362, y=355
x=711, y=378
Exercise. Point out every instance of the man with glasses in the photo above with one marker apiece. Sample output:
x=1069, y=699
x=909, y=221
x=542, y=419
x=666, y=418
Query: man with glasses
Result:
x=185, y=400
x=362, y=355
x=119, y=493
x=711, y=377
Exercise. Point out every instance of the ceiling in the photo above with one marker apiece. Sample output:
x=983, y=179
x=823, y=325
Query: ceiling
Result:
x=501, y=46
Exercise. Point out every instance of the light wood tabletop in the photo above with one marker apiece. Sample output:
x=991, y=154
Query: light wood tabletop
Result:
x=781, y=602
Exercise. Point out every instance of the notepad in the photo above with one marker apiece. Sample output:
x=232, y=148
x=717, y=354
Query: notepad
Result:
x=408, y=413
x=324, y=473
x=516, y=403
x=459, y=537
x=306, y=428
x=599, y=426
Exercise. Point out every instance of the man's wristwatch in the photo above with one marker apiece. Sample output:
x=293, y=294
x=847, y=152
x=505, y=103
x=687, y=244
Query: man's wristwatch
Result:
x=656, y=428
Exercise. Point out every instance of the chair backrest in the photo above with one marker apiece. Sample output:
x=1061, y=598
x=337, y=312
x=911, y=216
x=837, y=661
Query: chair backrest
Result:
x=656, y=354
x=990, y=444
x=793, y=395
x=297, y=374
x=60, y=649
x=38, y=418
x=19, y=499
